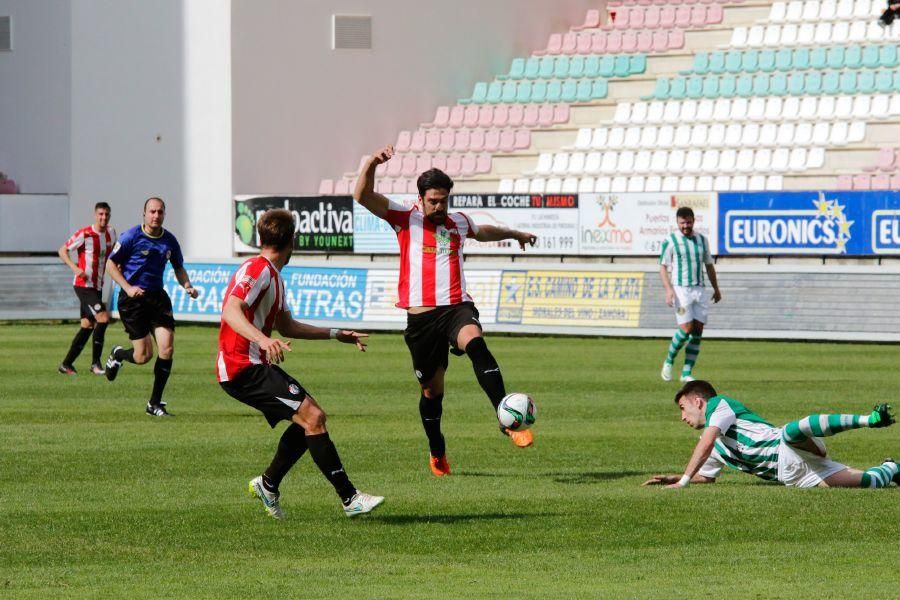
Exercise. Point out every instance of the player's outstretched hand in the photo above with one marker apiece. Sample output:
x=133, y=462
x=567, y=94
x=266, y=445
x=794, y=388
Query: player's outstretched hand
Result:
x=275, y=349
x=383, y=155
x=523, y=237
x=352, y=337
x=134, y=291
x=662, y=480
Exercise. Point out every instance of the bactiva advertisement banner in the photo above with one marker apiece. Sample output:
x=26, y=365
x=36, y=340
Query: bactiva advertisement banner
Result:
x=818, y=223
x=324, y=223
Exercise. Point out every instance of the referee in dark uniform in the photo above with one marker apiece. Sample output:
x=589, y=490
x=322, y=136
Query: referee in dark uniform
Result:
x=137, y=264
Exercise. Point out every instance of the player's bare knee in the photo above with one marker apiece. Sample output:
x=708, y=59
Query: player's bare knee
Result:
x=433, y=390
x=316, y=421
x=142, y=356
x=166, y=352
x=86, y=324
x=103, y=318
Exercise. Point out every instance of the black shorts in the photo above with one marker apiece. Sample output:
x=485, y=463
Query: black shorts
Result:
x=269, y=390
x=143, y=314
x=90, y=301
x=429, y=336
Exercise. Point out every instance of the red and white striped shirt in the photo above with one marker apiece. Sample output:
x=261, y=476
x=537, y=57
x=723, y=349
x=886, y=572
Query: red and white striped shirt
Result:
x=93, y=248
x=431, y=257
x=259, y=285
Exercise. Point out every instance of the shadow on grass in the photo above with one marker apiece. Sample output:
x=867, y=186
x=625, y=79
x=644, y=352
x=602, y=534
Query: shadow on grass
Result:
x=453, y=519
x=584, y=477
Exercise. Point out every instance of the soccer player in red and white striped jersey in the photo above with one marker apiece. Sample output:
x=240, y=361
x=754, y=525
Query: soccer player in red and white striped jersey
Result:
x=93, y=244
x=432, y=290
x=254, y=304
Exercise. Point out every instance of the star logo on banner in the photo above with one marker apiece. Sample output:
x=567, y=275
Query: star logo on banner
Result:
x=833, y=214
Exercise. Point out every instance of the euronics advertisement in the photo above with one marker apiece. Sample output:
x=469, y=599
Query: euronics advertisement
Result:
x=856, y=223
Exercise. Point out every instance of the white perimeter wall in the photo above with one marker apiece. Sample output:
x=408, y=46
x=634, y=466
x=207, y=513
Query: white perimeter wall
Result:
x=303, y=111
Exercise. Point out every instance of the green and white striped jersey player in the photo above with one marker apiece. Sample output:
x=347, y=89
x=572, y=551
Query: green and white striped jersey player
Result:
x=683, y=259
x=793, y=455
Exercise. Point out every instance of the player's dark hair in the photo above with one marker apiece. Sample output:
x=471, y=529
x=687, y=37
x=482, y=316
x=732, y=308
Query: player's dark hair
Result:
x=103, y=205
x=698, y=387
x=685, y=212
x=276, y=228
x=147, y=201
x=433, y=179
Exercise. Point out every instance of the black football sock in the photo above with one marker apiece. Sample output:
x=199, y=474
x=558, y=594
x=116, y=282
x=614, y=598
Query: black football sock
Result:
x=326, y=458
x=291, y=447
x=99, y=337
x=78, y=343
x=123, y=355
x=161, y=371
x=487, y=371
x=430, y=410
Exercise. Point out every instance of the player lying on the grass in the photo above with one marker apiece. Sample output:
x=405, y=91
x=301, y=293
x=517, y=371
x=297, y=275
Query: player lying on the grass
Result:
x=253, y=304
x=793, y=455
x=432, y=289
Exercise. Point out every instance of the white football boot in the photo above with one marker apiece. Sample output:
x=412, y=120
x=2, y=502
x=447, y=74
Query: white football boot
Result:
x=362, y=503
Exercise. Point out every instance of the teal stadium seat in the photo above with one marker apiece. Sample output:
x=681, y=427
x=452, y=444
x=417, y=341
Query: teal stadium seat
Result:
x=717, y=62
x=583, y=93
x=622, y=66
x=607, y=66
x=884, y=82
x=517, y=69
x=694, y=87
x=554, y=90
x=510, y=90
x=678, y=88
x=599, y=89
x=761, y=85
x=853, y=57
x=638, y=64
x=801, y=59
x=896, y=81
x=661, y=91
x=711, y=86
x=814, y=83
x=592, y=66
x=871, y=57
x=494, y=93
x=561, y=67
x=532, y=68
x=836, y=57
x=539, y=91
x=523, y=93
x=778, y=84
x=848, y=82
x=831, y=83
x=569, y=90
x=727, y=86
x=733, y=60
x=480, y=94
x=767, y=61
x=888, y=56
x=701, y=63
x=865, y=82
x=576, y=67
x=750, y=61
x=744, y=87
x=548, y=64
x=818, y=58
x=796, y=83
x=784, y=59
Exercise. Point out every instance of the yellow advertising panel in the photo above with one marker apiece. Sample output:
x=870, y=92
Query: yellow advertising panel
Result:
x=599, y=299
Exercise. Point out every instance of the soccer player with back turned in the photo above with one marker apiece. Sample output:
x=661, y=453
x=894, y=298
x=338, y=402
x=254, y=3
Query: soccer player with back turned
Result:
x=432, y=290
x=684, y=257
x=254, y=304
x=793, y=455
x=137, y=264
x=93, y=244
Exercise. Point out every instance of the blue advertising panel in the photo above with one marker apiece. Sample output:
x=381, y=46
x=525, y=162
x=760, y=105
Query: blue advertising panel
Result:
x=854, y=223
x=325, y=294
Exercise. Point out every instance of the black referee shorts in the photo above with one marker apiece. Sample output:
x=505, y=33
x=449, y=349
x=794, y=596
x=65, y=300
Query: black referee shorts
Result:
x=90, y=301
x=429, y=336
x=269, y=390
x=142, y=314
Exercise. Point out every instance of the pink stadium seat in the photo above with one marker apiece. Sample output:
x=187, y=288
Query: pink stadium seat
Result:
x=845, y=182
x=895, y=181
x=591, y=20
x=403, y=141
x=469, y=163
x=881, y=182
x=714, y=14
x=683, y=16
x=545, y=115
x=476, y=140
x=448, y=139
x=483, y=163
x=500, y=115
x=676, y=39
x=456, y=116
x=395, y=166
x=530, y=118
x=417, y=142
x=629, y=41
x=411, y=187
x=454, y=165
x=470, y=116
x=423, y=163
x=636, y=18
x=651, y=17
x=380, y=170
x=554, y=44
x=614, y=41
x=399, y=186
x=584, y=42
x=697, y=15
x=561, y=114
x=645, y=41
x=384, y=186
x=432, y=140
x=326, y=187
x=442, y=116
x=507, y=140
x=862, y=182
x=485, y=115
x=460, y=141
x=660, y=40
x=515, y=116
x=598, y=42
x=408, y=165
x=667, y=17
x=885, y=160
x=523, y=139
x=492, y=140
x=569, y=43
x=439, y=161
x=342, y=187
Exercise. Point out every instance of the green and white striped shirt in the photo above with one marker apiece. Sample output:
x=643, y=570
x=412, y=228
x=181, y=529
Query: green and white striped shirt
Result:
x=685, y=258
x=747, y=442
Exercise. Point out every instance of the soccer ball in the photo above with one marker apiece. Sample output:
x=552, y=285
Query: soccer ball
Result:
x=516, y=411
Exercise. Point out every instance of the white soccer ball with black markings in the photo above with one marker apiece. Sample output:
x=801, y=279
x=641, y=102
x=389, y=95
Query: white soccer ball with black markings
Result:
x=516, y=411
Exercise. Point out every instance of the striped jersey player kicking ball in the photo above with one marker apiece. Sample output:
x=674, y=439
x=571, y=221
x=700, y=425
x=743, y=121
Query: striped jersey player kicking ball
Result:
x=432, y=289
x=254, y=304
x=793, y=455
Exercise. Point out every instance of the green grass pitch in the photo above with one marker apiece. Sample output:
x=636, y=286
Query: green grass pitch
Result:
x=99, y=500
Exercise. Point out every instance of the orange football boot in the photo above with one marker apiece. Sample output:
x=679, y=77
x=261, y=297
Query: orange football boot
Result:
x=439, y=465
x=522, y=439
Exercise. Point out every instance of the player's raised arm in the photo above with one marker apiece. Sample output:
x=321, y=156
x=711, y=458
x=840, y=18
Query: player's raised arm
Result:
x=492, y=233
x=289, y=327
x=365, y=192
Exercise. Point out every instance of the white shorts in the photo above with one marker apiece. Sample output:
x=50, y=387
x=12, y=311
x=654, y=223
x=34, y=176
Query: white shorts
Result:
x=691, y=303
x=802, y=469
